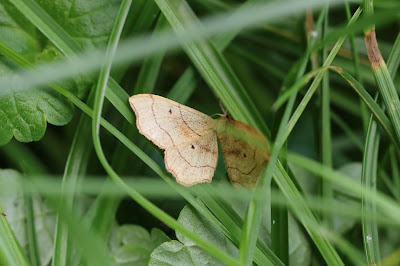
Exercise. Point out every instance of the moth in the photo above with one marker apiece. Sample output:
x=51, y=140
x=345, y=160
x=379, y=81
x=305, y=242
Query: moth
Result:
x=189, y=139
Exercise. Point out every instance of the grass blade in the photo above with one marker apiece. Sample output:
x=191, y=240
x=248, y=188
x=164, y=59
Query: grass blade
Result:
x=10, y=250
x=369, y=173
x=318, y=78
x=381, y=72
x=212, y=65
x=371, y=104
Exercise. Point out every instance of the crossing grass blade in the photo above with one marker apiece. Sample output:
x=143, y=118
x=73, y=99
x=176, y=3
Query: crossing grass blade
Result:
x=368, y=179
x=371, y=104
x=381, y=73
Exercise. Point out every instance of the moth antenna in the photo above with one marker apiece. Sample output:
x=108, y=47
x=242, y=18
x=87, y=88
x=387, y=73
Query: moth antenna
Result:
x=216, y=114
x=222, y=108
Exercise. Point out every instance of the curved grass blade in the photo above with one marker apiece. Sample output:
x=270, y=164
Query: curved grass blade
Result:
x=371, y=104
x=368, y=180
x=99, y=98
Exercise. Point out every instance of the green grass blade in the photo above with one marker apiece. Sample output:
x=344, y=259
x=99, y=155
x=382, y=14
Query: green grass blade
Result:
x=300, y=83
x=394, y=58
x=151, y=66
x=307, y=218
x=154, y=166
x=348, y=249
x=371, y=104
x=296, y=115
x=390, y=97
x=102, y=213
x=381, y=73
x=104, y=76
x=369, y=179
x=254, y=217
x=212, y=65
x=126, y=142
x=395, y=173
x=31, y=231
x=74, y=170
x=30, y=166
x=10, y=250
x=263, y=255
x=100, y=92
x=326, y=141
x=384, y=204
x=356, y=64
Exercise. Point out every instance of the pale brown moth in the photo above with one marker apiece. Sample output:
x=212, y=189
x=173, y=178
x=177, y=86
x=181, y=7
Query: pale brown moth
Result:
x=189, y=139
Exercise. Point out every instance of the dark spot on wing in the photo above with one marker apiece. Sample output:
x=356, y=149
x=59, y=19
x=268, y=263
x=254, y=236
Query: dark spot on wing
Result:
x=170, y=111
x=234, y=152
x=244, y=155
x=192, y=147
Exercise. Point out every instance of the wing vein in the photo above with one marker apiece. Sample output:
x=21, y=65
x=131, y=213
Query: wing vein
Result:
x=184, y=121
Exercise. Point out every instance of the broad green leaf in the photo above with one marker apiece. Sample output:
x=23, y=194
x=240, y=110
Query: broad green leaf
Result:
x=191, y=219
x=12, y=201
x=133, y=244
x=158, y=237
x=176, y=253
x=185, y=252
x=88, y=22
x=24, y=114
x=17, y=32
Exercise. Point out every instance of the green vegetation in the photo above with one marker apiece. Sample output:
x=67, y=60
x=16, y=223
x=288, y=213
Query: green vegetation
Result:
x=80, y=186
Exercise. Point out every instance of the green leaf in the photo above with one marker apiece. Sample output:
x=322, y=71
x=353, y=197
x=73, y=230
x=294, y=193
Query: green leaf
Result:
x=16, y=31
x=191, y=219
x=24, y=113
x=89, y=22
x=158, y=237
x=184, y=251
x=12, y=201
x=176, y=253
x=132, y=244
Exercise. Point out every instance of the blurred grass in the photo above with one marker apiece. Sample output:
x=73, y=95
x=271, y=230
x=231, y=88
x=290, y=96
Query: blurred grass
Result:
x=245, y=69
